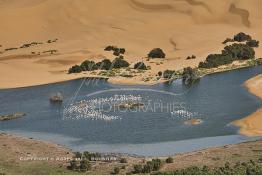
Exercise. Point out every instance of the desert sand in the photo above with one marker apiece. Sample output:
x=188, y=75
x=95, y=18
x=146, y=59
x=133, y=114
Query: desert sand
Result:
x=85, y=27
x=252, y=125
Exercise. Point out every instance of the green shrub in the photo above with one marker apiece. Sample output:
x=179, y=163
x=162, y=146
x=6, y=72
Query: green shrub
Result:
x=88, y=65
x=123, y=160
x=191, y=57
x=73, y=165
x=86, y=155
x=238, y=169
x=228, y=40
x=104, y=64
x=85, y=165
x=169, y=160
x=138, y=169
x=116, y=170
x=153, y=165
x=140, y=65
x=240, y=37
x=109, y=48
x=156, y=53
x=252, y=43
x=75, y=69
x=215, y=60
x=119, y=62
x=239, y=51
x=190, y=76
x=168, y=74
x=116, y=51
x=259, y=62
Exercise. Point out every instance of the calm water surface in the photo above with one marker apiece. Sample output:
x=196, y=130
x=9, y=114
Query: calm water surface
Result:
x=217, y=99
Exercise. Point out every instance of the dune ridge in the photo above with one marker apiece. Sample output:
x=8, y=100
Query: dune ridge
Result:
x=243, y=13
x=84, y=28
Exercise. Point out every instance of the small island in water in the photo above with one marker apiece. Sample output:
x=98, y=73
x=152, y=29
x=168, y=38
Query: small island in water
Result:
x=11, y=116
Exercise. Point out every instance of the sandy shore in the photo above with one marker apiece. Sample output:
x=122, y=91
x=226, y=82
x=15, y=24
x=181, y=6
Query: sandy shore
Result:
x=252, y=125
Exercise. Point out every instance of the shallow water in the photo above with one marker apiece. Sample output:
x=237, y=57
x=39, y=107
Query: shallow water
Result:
x=217, y=99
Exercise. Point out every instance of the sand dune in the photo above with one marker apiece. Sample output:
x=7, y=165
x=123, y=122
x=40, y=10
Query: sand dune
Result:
x=84, y=27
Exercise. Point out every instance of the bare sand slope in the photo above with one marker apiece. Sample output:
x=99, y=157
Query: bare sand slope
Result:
x=252, y=125
x=84, y=27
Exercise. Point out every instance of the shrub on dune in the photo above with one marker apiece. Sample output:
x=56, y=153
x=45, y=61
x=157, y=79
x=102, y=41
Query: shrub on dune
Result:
x=168, y=74
x=104, y=65
x=252, y=43
x=240, y=37
x=85, y=165
x=239, y=51
x=88, y=65
x=215, y=60
x=169, y=160
x=228, y=40
x=119, y=62
x=116, y=51
x=140, y=65
x=75, y=69
x=156, y=53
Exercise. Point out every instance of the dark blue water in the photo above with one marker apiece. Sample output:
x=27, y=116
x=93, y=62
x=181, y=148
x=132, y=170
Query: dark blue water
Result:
x=217, y=99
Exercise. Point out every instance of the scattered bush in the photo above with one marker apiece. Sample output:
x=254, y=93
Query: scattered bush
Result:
x=138, y=169
x=150, y=166
x=104, y=64
x=116, y=51
x=229, y=54
x=52, y=41
x=241, y=37
x=160, y=73
x=169, y=160
x=123, y=160
x=215, y=60
x=156, y=53
x=153, y=165
x=228, y=40
x=123, y=167
x=88, y=66
x=119, y=62
x=189, y=76
x=252, y=43
x=259, y=62
x=75, y=69
x=168, y=74
x=73, y=165
x=86, y=155
x=8, y=49
x=238, y=169
x=116, y=170
x=239, y=51
x=85, y=165
x=191, y=57
x=140, y=65
x=50, y=51
x=109, y=48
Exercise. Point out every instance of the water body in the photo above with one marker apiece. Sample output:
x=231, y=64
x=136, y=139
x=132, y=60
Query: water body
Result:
x=155, y=129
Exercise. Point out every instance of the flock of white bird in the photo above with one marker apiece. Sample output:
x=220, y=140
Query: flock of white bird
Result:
x=94, y=108
x=100, y=108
